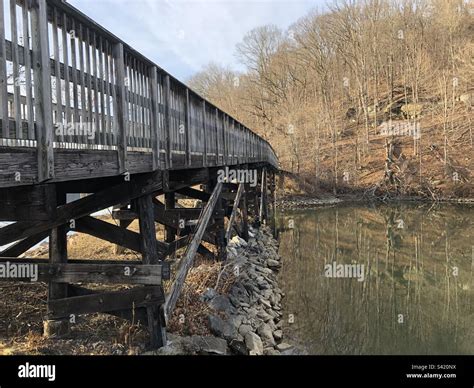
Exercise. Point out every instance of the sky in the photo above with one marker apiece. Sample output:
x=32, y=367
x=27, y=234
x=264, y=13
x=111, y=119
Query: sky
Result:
x=182, y=36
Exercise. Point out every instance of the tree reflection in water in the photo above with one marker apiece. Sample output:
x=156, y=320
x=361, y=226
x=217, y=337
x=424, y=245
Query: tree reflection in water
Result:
x=417, y=296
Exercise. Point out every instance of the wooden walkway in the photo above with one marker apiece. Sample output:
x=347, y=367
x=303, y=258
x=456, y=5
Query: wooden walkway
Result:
x=83, y=112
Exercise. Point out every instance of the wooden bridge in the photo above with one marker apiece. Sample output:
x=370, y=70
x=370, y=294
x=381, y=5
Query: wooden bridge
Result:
x=83, y=112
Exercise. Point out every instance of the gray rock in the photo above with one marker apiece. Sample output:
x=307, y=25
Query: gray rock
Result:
x=236, y=320
x=210, y=345
x=244, y=329
x=265, y=333
x=220, y=303
x=254, y=344
x=283, y=347
x=266, y=303
x=273, y=264
x=235, y=302
x=220, y=328
x=278, y=334
x=238, y=347
x=264, y=316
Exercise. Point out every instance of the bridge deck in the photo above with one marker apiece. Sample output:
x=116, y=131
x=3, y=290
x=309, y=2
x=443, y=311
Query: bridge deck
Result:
x=76, y=102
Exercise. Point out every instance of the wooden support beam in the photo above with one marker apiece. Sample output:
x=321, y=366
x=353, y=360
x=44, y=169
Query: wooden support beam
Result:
x=238, y=196
x=116, y=235
x=22, y=246
x=94, y=272
x=135, y=315
x=106, y=302
x=57, y=256
x=193, y=193
x=185, y=178
x=149, y=244
x=178, y=244
x=263, y=188
x=42, y=85
x=124, y=192
x=188, y=258
x=119, y=249
x=170, y=203
x=244, y=211
x=28, y=203
x=220, y=233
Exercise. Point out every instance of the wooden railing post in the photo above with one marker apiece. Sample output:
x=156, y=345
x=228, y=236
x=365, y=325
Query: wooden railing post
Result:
x=42, y=85
x=217, y=136
x=167, y=98
x=120, y=107
x=155, y=136
x=204, y=124
x=225, y=121
x=3, y=76
x=188, y=129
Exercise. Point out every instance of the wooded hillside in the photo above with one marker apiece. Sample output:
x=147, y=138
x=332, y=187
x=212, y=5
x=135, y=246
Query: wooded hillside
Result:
x=370, y=95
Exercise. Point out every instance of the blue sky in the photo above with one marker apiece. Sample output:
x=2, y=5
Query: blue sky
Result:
x=182, y=36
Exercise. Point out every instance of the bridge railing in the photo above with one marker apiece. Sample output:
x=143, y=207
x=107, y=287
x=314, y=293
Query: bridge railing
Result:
x=66, y=82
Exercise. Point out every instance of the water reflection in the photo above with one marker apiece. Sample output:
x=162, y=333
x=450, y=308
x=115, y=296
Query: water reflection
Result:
x=417, y=293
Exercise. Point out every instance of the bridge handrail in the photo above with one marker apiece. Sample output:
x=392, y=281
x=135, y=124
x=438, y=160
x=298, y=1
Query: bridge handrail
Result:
x=76, y=85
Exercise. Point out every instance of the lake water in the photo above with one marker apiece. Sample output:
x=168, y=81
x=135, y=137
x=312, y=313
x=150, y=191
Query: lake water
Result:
x=385, y=279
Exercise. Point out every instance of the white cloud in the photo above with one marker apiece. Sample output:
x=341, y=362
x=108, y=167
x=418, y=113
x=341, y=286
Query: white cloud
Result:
x=183, y=35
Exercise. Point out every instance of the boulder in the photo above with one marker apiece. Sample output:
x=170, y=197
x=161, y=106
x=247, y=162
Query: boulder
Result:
x=265, y=333
x=254, y=344
x=210, y=345
x=220, y=303
x=244, y=329
x=221, y=328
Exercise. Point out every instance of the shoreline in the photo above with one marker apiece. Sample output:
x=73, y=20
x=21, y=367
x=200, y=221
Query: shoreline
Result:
x=310, y=202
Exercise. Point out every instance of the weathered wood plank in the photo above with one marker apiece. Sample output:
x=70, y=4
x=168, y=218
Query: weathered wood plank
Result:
x=193, y=193
x=22, y=246
x=30, y=203
x=3, y=77
x=121, y=108
x=155, y=128
x=238, y=196
x=42, y=85
x=16, y=70
x=58, y=255
x=73, y=272
x=148, y=242
x=105, y=302
x=167, y=128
